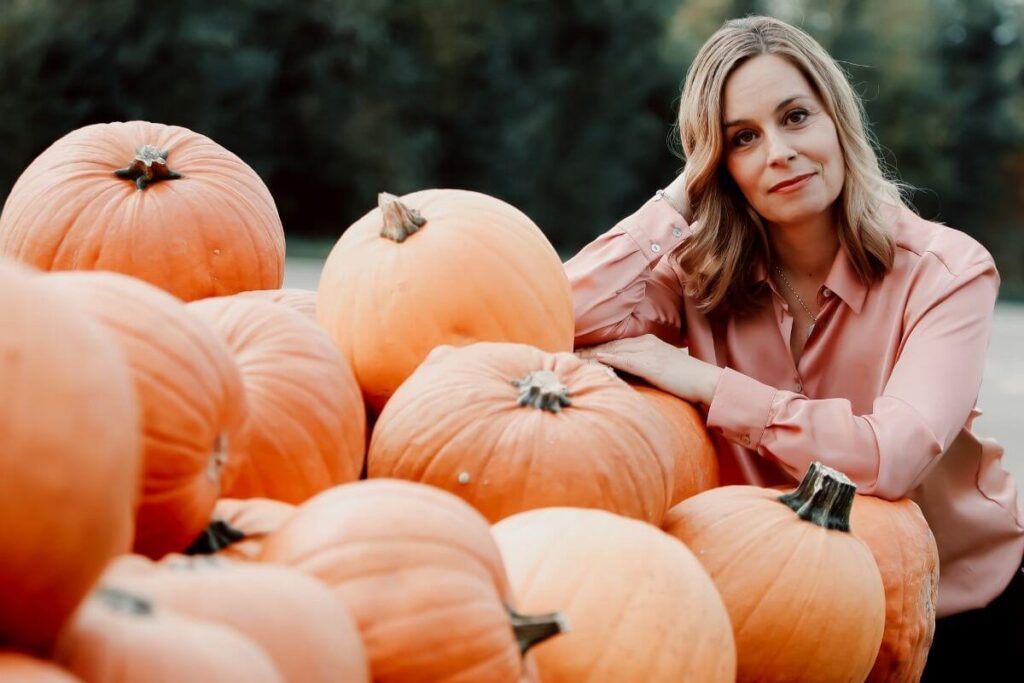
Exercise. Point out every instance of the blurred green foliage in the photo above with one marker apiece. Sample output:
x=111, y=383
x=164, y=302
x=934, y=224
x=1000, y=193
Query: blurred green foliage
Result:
x=563, y=109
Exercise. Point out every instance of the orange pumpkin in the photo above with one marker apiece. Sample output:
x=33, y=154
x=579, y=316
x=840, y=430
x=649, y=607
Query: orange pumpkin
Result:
x=301, y=300
x=905, y=551
x=508, y=428
x=306, y=427
x=439, y=267
x=696, y=461
x=419, y=571
x=121, y=637
x=804, y=594
x=640, y=606
x=304, y=629
x=239, y=527
x=191, y=397
x=17, y=667
x=69, y=458
x=161, y=203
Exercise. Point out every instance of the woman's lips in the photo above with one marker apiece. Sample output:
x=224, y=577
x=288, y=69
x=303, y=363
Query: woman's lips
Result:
x=791, y=185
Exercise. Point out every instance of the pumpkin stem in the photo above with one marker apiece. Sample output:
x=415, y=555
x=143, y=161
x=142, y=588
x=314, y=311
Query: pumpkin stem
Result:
x=218, y=458
x=399, y=220
x=122, y=601
x=214, y=538
x=533, y=629
x=824, y=497
x=542, y=389
x=148, y=166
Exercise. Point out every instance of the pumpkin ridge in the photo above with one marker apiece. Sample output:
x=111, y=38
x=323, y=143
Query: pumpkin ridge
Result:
x=466, y=549
x=75, y=220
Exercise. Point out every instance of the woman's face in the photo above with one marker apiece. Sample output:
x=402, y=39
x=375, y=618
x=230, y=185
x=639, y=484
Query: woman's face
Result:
x=781, y=146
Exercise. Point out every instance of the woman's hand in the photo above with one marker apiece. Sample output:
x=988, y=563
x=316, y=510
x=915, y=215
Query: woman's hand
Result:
x=663, y=365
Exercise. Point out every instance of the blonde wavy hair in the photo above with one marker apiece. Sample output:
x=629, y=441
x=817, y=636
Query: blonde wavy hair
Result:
x=720, y=258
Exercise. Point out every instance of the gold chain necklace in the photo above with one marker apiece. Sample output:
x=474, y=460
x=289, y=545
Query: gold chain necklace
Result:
x=785, y=280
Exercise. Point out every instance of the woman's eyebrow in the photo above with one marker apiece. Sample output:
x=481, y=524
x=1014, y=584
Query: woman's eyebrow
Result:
x=782, y=105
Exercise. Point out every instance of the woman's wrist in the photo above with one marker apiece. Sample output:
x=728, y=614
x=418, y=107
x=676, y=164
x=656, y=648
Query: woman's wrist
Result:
x=675, y=194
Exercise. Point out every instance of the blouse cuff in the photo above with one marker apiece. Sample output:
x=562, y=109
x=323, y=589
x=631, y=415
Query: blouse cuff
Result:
x=656, y=228
x=740, y=408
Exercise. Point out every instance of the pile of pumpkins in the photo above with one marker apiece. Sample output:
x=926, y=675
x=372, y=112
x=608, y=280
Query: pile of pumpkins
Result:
x=404, y=476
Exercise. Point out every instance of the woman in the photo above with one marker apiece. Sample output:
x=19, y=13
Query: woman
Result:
x=824, y=320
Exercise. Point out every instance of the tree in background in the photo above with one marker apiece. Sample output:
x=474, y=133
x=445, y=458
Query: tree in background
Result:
x=563, y=109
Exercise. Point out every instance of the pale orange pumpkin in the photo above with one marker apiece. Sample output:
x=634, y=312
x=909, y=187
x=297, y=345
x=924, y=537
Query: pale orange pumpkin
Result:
x=508, y=428
x=69, y=460
x=294, y=618
x=17, y=667
x=804, y=595
x=239, y=527
x=640, y=606
x=301, y=300
x=439, y=267
x=191, y=396
x=161, y=203
x=306, y=424
x=419, y=571
x=905, y=551
x=696, y=461
x=121, y=637
x=908, y=559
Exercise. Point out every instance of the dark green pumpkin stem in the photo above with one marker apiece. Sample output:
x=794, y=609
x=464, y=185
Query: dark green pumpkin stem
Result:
x=399, y=220
x=148, y=166
x=824, y=497
x=122, y=601
x=214, y=538
x=531, y=630
x=542, y=389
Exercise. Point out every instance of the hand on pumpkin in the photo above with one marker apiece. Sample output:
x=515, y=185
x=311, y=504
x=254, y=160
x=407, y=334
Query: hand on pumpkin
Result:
x=669, y=368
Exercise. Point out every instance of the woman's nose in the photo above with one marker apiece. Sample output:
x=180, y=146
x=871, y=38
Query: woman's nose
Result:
x=780, y=149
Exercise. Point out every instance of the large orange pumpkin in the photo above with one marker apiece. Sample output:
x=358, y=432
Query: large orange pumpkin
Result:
x=306, y=425
x=907, y=557
x=17, y=667
x=121, y=637
x=508, y=428
x=804, y=594
x=191, y=396
x=696, y=461
x=439, y=267
x=304, y=629
x=906, y=554
x=640, y=606
x=162, y=203
x=69, y=457
x=300, y=300
x=419, y=571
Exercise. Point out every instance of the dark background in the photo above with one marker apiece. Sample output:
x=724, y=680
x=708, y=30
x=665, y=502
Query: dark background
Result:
x=561, y=108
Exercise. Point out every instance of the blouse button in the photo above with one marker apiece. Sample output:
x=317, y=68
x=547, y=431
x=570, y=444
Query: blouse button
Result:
x=826, y=292
x=677, y=232
x=655, y=247
x=746, y=439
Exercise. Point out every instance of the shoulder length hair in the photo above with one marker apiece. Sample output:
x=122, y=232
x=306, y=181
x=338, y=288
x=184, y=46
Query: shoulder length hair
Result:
x=720, y=259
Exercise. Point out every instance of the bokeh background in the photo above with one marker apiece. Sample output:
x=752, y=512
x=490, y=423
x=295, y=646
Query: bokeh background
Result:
x=561, y=108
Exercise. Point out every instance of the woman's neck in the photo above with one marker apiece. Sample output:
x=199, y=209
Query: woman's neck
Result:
x=806, y=250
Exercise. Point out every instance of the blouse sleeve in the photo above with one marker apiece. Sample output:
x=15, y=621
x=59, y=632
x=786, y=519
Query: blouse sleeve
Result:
x=622, y=284
x=926, y=401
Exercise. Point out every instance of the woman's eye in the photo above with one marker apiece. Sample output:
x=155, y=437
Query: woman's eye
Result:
x=797, y=116
x=743, y=138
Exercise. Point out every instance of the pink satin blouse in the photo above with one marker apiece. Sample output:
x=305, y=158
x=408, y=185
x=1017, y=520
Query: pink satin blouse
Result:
x=885, y=390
